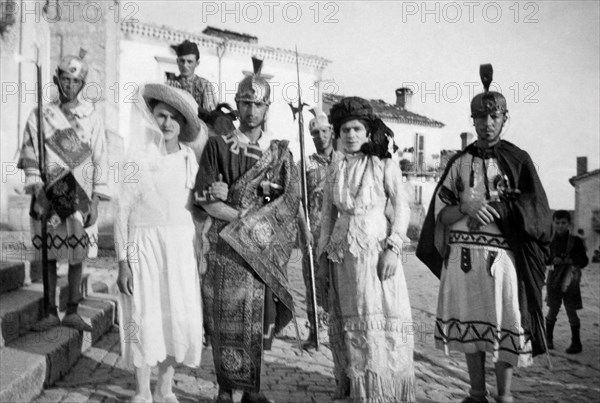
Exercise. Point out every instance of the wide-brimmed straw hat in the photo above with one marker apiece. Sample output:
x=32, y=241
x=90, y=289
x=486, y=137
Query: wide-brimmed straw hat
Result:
x=183, y=102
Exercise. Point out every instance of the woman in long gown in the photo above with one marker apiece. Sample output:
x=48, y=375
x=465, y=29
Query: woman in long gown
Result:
x=161, y=320
x=365, y=217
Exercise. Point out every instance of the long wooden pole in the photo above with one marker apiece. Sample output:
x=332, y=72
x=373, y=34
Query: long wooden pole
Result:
x=308, y=249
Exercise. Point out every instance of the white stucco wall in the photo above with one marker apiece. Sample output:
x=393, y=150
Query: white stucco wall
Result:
x=587, y=199
x=18, y=100
x=146, y=60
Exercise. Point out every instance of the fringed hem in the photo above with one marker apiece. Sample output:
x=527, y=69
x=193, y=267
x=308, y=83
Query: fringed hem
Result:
x=371, y=388
x=379, y=323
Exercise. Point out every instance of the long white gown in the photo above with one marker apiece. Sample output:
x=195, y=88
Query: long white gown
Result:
x=154, y=230
x=370, y=326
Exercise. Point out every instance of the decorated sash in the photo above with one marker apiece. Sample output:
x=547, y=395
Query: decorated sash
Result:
x=65, y=152
x=266, y=235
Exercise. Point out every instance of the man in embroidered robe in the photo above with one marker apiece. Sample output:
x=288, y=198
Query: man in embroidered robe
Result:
x=76, y=169
x=251, y=192
x=188, y=60
x=316, y=179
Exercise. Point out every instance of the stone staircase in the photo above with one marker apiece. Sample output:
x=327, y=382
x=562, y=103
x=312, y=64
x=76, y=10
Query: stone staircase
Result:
x=30, y=361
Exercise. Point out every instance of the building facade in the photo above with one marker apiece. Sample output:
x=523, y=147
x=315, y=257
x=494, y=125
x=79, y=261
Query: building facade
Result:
x=587, y=207
x=122, y=55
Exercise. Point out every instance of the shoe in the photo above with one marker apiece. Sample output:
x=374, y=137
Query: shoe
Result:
x=76, y=322
x=224, y=396
x=470, y=399
x=169, y=398
x=310, y=343
x=575, y=346
x=248, y=397
x=47, y=323
x=140, y=399
x=504, y=399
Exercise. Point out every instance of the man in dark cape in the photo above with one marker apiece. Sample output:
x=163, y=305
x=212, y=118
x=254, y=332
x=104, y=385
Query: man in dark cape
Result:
x=519, y=209
x=525, y=223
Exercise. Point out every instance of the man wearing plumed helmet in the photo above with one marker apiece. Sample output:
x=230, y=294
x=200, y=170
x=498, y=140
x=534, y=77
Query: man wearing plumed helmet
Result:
x=486, y=236
x=250, y=189
x=76, y=167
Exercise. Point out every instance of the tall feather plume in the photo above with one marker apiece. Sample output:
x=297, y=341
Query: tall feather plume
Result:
x=257, y=65
x=486, y=72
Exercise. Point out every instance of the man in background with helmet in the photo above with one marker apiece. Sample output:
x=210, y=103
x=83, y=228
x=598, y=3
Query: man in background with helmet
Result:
x=76, y=170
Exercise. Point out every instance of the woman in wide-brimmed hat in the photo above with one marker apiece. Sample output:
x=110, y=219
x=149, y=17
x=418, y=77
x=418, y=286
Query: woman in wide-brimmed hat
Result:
x=364, y=222
x=161, y=320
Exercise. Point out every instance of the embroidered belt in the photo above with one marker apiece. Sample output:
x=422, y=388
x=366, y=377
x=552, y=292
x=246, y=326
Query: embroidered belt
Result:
x=478, y=238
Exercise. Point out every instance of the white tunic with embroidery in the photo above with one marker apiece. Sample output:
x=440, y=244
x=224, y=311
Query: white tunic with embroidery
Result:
x=478, y=305
x=370, y=320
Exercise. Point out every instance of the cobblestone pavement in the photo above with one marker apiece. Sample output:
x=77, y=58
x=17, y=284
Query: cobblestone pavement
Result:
x=292, y=376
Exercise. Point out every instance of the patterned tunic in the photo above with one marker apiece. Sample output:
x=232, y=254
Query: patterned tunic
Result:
x=201, y=89
x=245, y=290
x=316, y=181
x=478, y=306
x=76, y=168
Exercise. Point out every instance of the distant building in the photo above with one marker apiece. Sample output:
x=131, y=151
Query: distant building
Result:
x=122, y=55
x=419, y=153
x=587, y=206
x=145, y=56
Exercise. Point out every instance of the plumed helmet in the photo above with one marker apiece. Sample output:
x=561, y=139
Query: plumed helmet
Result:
x=488, y=101
x=75, y=66
x=254, y=87
x=320, y=120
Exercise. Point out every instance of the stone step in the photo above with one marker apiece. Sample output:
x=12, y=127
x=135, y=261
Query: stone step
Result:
x=16, y=274
x=20, y=309
x=37, y=360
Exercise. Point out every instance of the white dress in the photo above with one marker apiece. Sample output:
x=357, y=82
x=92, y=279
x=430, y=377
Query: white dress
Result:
x=370, y=324
x=155, y=232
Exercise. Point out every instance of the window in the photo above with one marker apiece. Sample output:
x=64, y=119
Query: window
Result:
x=419, y=156
x=418, y=194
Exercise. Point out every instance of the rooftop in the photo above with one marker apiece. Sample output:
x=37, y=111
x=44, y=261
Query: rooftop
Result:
x=390, y=112
x=217, y=38
x=577, y=178
x=232, y=35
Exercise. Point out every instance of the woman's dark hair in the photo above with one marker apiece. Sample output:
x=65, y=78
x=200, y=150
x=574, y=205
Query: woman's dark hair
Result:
x=379, y=140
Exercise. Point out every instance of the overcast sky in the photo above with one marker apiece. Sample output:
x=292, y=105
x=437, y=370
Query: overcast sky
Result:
x=545, y=56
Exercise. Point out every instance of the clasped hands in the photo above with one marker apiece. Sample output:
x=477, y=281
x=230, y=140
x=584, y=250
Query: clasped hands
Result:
x=219, y=190
x=480, y=213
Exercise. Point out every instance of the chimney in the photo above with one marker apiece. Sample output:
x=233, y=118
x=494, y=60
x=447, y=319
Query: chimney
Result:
x=581, y=165
x=466, y=138
x=404, y=98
